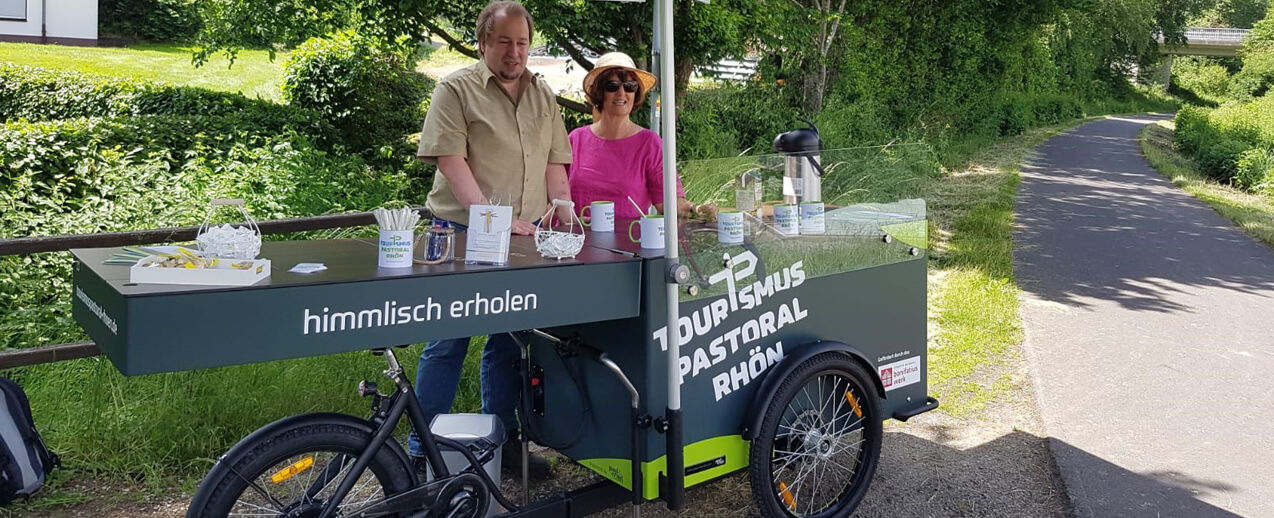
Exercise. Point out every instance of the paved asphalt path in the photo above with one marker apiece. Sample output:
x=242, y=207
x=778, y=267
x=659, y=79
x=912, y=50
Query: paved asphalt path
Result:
x=1150, y=330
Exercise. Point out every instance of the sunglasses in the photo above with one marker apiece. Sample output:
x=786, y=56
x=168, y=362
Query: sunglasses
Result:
x=613, y=86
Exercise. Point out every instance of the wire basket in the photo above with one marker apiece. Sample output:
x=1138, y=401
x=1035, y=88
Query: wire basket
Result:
x=225, y=241
x=555, y=244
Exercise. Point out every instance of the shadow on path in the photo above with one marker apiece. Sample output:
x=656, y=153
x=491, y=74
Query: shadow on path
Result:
x=1146, y=318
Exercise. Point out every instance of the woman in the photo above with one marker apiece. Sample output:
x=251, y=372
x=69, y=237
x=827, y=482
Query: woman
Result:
x=613, y=158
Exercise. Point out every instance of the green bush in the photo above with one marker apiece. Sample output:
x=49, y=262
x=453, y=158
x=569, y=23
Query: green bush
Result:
x=863, y=122
x=1015, y=116
x=1219, y=159
x=1255, y=170
x=151, y=20
x=732, y=120
x=1048, y=109
x=37, y=94
x=1192, y=129
x=48, y=157
x=370, y=93
x=1216, y=139
x=1020, y=112
x=1201, y=76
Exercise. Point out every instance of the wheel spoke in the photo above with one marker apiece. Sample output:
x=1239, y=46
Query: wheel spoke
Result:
x=268, y=511
x=840, y=398
x=790, y=459
x=796, y=453
x=310, y=488
x=798, y=484
x=819, y=443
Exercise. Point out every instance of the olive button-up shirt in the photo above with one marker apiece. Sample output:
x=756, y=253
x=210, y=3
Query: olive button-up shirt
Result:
x=507, y=144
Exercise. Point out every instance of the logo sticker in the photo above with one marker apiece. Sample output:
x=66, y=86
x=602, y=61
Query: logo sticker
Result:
x=900, y=373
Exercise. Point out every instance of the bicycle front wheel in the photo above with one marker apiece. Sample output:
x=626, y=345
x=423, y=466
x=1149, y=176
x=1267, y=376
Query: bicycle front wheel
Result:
x=295, y=471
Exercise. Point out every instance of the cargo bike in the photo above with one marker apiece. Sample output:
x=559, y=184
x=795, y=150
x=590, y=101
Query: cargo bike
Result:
x=789, y=350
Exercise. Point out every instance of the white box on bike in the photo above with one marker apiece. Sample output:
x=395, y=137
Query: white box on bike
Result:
x=479, y=432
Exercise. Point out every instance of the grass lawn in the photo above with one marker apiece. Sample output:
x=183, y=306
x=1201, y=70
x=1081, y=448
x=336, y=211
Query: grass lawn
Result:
x=1253, y=213
x=253, y=74
x=974, y=326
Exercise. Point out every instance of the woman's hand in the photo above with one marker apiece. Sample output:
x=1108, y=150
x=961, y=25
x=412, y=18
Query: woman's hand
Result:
x=706, y=211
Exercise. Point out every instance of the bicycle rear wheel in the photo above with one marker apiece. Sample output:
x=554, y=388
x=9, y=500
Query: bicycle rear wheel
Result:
x=819, y=442
x=294, y=471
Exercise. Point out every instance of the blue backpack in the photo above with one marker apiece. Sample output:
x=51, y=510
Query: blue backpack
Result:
x=24, y=460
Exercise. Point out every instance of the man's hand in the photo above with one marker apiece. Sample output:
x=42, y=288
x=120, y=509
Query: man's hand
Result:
x=523, y=228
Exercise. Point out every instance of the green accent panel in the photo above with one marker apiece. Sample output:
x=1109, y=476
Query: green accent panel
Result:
x=732, y=447
x=914, y=233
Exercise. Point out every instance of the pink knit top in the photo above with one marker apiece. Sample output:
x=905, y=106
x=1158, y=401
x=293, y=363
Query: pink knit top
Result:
x=614, y=170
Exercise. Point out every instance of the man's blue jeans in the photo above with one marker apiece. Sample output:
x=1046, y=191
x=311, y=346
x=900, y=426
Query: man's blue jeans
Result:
x=439, y=373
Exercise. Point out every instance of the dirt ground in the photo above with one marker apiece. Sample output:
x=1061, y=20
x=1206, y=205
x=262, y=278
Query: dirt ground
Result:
x=995, y=464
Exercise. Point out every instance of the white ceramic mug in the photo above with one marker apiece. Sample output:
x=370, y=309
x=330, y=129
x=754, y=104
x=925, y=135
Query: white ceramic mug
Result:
x=730, y=227
x=395, y=248
x=812, y=221
x=652, y=231
x=603, y=216
x=787, y=219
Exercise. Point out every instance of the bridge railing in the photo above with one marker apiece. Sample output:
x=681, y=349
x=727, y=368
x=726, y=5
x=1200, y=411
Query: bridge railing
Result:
x=1213, y=36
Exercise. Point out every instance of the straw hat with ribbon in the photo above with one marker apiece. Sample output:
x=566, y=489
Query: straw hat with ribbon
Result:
x=613, y=60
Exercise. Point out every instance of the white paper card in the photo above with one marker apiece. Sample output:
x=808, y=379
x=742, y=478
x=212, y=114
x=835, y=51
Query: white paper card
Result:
x=487, y=240
x=308, y=267
x=790, y=188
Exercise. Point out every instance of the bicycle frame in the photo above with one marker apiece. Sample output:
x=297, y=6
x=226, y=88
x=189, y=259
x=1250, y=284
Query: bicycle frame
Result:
x=385, y=418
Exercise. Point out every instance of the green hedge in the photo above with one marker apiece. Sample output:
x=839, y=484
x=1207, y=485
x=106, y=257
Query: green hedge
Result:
x=371, y=93
x=38, y=94
x=731, y=120
x=50, y=155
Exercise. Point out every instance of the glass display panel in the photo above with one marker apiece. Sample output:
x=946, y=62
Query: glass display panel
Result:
x=864, y=210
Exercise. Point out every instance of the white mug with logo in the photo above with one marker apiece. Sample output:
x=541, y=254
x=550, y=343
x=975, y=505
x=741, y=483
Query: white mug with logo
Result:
x=730, y=227
x=812, y=221
x=395, y=248
x=603, y=216
x=787, y=219
x=652, y=231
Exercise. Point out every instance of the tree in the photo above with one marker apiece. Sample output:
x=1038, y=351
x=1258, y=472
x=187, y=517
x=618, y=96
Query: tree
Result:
x=807, y=34
x=1238, y=14
x=1257, y=74
x=705, y=32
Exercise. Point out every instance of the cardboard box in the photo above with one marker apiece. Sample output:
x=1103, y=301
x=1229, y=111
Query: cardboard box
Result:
x=222, y=275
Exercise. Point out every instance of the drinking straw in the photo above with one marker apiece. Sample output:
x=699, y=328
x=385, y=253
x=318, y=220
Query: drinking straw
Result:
x=635, y=206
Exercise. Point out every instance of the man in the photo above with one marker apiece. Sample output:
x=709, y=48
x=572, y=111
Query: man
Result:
x=496, y=135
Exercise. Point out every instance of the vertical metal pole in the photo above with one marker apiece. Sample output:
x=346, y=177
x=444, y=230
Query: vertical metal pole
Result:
x=656, y=53
x=668, y=101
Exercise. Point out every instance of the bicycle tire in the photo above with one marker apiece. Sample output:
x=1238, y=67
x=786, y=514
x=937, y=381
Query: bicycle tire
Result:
x=806, y=461
x=330, y=447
